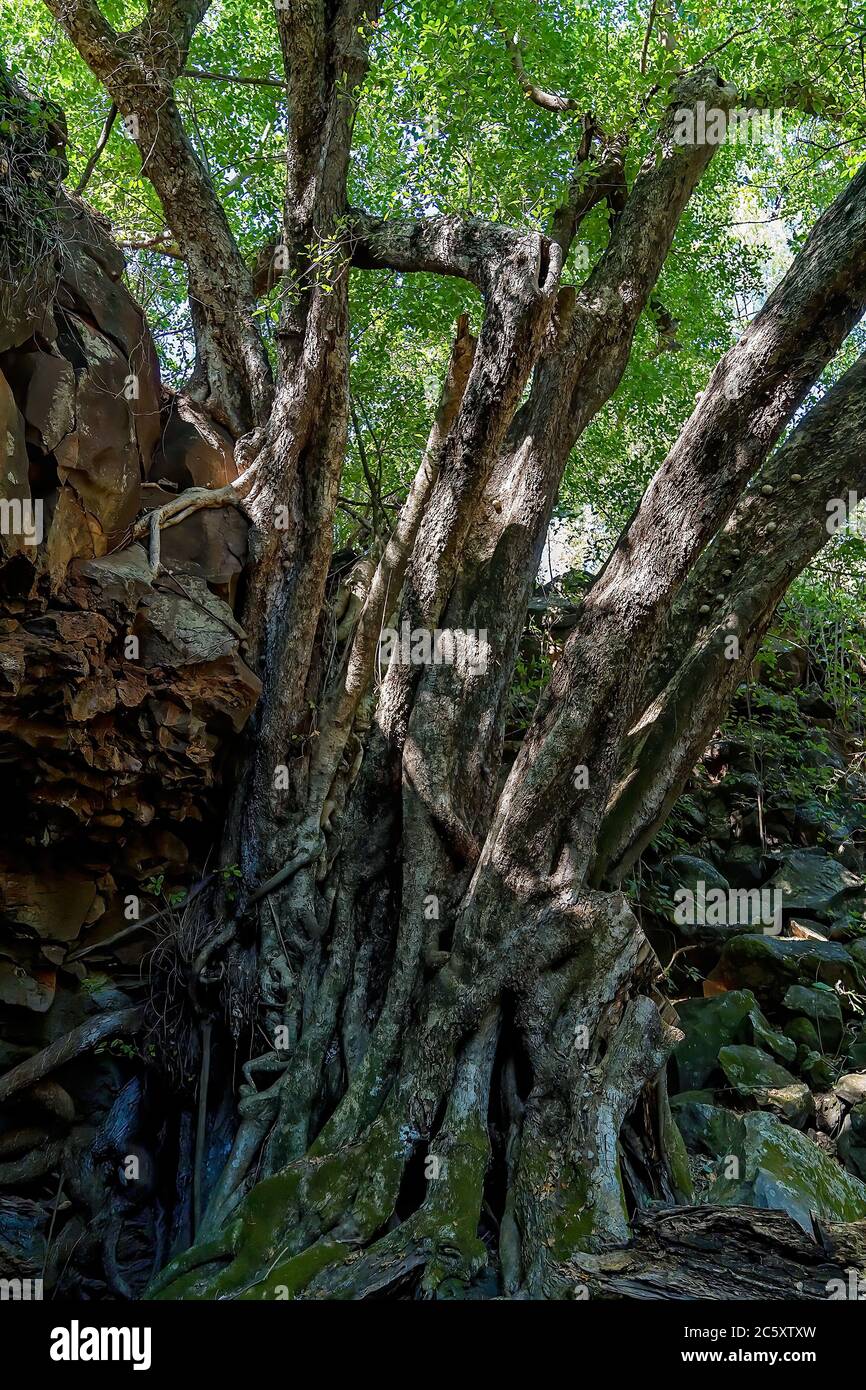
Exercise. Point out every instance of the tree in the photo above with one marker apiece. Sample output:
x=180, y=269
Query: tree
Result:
x=437, y=937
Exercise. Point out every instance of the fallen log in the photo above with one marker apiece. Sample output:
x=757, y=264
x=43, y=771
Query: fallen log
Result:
x=728, y=1253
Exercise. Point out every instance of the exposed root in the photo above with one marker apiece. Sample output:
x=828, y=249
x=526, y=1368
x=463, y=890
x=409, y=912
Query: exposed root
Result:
x=122, y=1023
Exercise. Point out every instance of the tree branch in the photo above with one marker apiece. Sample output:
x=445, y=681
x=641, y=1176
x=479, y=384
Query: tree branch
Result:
x=548, y=101
x=777, y=527
x=751, y=395
x=234, y=78
x=447, y=244
x=233, y=375
x=100, y=146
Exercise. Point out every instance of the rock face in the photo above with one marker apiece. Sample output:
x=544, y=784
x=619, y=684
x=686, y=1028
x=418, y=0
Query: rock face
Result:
x=119, y=689
x=86, y=396
x=121, y=694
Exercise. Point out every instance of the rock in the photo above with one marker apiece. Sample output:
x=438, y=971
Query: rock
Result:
x=821, y=1007
x=803, y=1034
x=101, y=461
x=811, y=882
x=851, y=1088
x=790, y=664
x=44, y=387
x=857, y=951
x=849, y=927
x=688, y=871
x=111, y=762
x=211, y=543
x=706, y=1126
x=804, y=930
x=743, y=865
x=814, y=703
x=857, y=1050
x=26, y=989
x=124, y=577
x=851, y=1144
x=810, y=820
x=52, y=902
x=706, y=908
x=828, y=1112
x=757, y=1077
x=710, y=1024
x=740, y=785
x=770, y=1038
x=85, y=387
x=718, y=822
x=14, y=471
x=768, y=965
x=817, y=1071
x=783, y=1170
x=192, y=451
x=188, y=628
x=851, y=854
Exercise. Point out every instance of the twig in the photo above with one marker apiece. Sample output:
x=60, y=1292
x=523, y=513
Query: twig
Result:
x=548, y=101
x=145, y=921
x=100, y=146
x=51, y=1225
x=646, y=37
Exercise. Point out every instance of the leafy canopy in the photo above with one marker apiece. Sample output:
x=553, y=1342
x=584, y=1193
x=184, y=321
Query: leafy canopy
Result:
x=443, y=125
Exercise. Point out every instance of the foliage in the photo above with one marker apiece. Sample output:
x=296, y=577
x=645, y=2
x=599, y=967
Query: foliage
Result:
x=443, y=125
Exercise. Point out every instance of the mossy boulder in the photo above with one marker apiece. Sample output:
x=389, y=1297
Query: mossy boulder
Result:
x=757, y=1077
x=743, y=865
x=769, y=1038
x=769, y=965
x=687, y=871
x=780, y=1169
x=709, y=1024
x=810, y=881
x=817, y=1070
x=803, y=1034
x=821, y=1007
x=705, y=1126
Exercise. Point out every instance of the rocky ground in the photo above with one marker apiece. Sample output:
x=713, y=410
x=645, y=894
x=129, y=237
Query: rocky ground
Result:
x=768, y=1086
